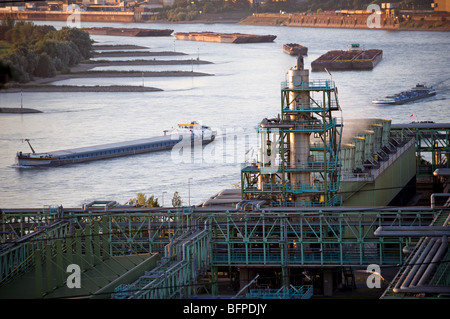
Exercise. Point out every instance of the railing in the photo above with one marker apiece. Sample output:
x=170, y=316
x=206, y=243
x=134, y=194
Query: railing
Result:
x=341, y=255
x=296, y=167
x=308, y=86
x=18, y=258
x=292, y=188
x=312, y=107
x=176, y=275
x=301, y=292
x=309, y=126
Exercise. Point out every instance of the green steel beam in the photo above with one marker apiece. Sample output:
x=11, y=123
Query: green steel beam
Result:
x=432, y=141
x=273, y=237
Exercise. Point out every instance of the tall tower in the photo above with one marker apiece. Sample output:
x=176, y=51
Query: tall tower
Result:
x=299, y=141
x=298, y=163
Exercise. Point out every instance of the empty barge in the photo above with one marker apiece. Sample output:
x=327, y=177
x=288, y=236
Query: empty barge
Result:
x=184, y=134
x=340, y=60
x=295, y=49
x=223, y=37
x=131, y=32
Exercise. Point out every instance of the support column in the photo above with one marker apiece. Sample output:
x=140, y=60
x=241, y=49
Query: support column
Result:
x=59, y=263
x=38, y=273
x=48, y=268
x=214, y=280
x=327, y=283
x=245, y=276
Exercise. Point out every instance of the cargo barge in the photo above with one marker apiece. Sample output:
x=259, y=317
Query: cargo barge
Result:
x=223, y=37
x=183, y=135
x=130, y=32
x=341, y=60
x=295, y=49
x=420, y=91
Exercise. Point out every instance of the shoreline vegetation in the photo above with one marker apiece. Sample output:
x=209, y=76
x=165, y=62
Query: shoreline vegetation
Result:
x=85, y=69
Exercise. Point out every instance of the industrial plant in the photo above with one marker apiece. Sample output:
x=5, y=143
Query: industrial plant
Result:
x=325, y=199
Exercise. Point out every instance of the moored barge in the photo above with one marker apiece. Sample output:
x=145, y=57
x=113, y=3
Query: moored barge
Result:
x=295, y=49
x=131, y=32
x=184, y=135
x=341, y=60
x=223, y=37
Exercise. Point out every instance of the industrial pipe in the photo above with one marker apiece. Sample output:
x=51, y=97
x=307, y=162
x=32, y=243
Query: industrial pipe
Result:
x=431, y=266
x=433, y=196
x=412, y=231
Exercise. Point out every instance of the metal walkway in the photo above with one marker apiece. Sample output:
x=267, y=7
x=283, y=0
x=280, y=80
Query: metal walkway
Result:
x=177, y=274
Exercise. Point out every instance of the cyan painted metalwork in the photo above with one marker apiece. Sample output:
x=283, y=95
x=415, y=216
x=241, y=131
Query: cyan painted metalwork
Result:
x=432, y=145
x=301, y=292
x=312, y=238
x=325, y=149
x=18, y=256
x=207, y=238
x=177, y=275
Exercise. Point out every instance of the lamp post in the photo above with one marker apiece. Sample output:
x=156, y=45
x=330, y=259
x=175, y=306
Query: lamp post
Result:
x=162, y=205
x=189, y=191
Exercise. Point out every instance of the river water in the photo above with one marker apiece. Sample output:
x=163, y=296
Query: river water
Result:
x=244, y=88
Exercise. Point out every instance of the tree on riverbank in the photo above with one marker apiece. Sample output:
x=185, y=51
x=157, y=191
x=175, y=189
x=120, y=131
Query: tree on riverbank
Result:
x=41, y=50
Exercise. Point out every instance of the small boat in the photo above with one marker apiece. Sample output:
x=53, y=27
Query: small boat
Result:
x=295, y=49
x=184, y=134
x=420, y=91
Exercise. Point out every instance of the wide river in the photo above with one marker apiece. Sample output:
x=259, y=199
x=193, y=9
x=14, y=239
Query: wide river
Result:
x=244, y=88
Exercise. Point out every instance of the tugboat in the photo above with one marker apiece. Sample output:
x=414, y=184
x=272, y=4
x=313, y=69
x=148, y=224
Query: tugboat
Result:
x=184, y=133
x=420, y=91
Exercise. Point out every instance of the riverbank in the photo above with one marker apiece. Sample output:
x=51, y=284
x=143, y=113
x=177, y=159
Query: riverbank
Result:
x=47, y=88
x=18, y=110
x=85, y=70
x=417, y=22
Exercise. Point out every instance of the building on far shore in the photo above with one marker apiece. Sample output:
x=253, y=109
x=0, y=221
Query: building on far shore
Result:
x=441, y=5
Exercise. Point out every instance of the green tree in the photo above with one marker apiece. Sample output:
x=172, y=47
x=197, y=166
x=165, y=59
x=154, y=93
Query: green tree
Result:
x=176, y=200
x=15, y=63
x=41, y=50
x=141, y=200
x=45, y=67
x=79, y=37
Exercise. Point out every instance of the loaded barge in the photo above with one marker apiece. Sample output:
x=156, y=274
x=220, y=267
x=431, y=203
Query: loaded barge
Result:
x=130, y=32
x=223, y=37
x=354, y=59
x=185, y=134
x=295, y=49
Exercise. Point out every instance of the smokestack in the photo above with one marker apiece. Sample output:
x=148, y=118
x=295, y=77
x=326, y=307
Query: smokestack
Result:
x=299, y=146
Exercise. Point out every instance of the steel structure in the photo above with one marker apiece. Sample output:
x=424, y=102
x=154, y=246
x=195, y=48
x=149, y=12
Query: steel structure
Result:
x=432, y=144
x=298, y=164
x=196, y=243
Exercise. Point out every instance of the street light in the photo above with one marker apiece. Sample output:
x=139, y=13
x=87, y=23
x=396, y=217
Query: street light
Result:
x=163, y=198
x=189, y=190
